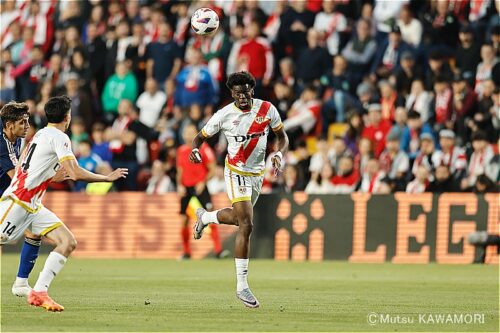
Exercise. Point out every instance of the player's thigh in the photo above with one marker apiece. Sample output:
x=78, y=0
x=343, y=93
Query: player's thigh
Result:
x=243, y=210
x=44, y=222
x=61, y=235
x=14, y=219
x=239, y=187
x=256, y=188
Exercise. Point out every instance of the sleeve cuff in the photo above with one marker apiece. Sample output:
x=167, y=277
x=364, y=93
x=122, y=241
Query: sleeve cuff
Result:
x=204, y=133
x=277, y=128
x=66, y=158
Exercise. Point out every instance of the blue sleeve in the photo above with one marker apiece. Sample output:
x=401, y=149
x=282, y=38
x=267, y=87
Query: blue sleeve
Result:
x=6, y=162
x=405, y=140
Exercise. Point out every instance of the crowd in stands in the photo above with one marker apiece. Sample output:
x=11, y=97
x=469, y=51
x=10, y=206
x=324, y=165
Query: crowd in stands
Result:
x=376, y=96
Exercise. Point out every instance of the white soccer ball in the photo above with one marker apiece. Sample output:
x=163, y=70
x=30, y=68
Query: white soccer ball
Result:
x=205, y=21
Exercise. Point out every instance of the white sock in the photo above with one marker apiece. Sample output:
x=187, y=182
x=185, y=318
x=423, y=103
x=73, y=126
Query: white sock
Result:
x=210, y=217
x=53, y=265
x=241, y=273
x=21, y=281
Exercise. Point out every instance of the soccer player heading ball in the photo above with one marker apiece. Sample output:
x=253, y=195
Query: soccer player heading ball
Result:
x=245, y=123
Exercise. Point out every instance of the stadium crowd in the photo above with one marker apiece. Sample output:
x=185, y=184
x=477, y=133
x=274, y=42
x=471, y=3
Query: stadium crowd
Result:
x=376, y=96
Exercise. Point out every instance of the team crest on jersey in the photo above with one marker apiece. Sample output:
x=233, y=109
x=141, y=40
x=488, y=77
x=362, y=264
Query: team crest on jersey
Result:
x=236, y=122
x=242, y=189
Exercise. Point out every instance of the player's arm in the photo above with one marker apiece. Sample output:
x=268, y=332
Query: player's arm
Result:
x=282, y=147
x=76, y=172
x=211, y=128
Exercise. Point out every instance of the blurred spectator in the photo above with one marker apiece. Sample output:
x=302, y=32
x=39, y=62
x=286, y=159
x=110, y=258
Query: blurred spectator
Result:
x=444, y=181
x=304, y=115
x=468, y=53
x=195, y=85
x=385, y=14
x=292, y=182
x=464, y=105
x=377, y=129
x=389, y=99
x=100, y=146
x=7, y=94
x=319, y=158
x=419, y=100
x=159, y=183
x=480, y=162
x=122, y=85
x=78, y=134
x=365, y=153
x=438, y=68
x=28, y=74
x=442, y=104
x=215, y=50
x=450, y=155
x=150, y=103
x=163, y=56
x=330, y=23
x=313, y=60
x=421, y=181
x=440, y=26
x=371, y=177
x=360, y=50
x=388, y=56
x=322, y=184
x=254, y=55
x=283, y=98
x=411, y=28
x=403, y=77
x=354, y=130
x=485, y=185
x=95, y=48
x=21, y=49
x=346, y=179
x=483, y=72
x=295, y=22
x=395, y=162
x=81, y=67
x=216, y=183
x=487, y=113
x=425, y=156
x=87, y=160
x=410, y=137
x=81, y=106
x=339, y=84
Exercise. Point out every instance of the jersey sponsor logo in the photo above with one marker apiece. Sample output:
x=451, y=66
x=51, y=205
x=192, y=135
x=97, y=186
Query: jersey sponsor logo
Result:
x=243, y=138
x=260, y=120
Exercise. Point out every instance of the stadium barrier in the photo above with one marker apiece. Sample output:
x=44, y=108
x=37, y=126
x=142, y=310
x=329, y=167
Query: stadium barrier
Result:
x=399, y=228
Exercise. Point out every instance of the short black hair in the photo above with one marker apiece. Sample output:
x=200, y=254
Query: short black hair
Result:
x=13, y=111
x=57, y=108
x=479, y=136
x=240, y=79
x=413, y=115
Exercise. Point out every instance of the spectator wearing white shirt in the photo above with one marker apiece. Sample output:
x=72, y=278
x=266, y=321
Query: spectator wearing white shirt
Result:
x=322, y=185
x=421, y=181
x=329, y=23
x=150, y=103
x=394, y=161
x=411, y=28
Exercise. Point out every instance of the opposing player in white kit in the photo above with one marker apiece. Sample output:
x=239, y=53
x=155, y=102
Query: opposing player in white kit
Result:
x=245, y=123
x=21, y=207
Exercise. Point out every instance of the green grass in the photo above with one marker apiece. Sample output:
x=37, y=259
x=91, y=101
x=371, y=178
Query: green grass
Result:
x=110, y=295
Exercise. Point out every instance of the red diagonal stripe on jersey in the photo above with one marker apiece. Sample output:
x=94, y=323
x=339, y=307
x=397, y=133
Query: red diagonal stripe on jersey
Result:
x=243, y=153
x=22, y=193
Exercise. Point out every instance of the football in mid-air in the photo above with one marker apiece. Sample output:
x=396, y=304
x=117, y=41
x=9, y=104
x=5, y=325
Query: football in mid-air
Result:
x=205, y=21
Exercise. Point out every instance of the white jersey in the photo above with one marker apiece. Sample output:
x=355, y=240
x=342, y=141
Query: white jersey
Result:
x=246, y=133
x=38, y=164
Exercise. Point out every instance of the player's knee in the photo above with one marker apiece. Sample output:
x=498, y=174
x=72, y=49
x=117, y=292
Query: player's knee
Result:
x=245, y=224
x=69, y=245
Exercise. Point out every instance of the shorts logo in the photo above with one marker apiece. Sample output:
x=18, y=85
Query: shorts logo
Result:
x=242, y=189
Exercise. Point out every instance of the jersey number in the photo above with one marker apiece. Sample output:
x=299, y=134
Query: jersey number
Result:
x=8, y=229
x=26, y=164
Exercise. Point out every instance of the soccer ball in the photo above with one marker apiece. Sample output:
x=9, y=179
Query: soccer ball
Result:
x=205, y=21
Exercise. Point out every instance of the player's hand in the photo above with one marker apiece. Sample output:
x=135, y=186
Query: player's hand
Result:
x=277, y=163
x=195, y=156
x=117, y=174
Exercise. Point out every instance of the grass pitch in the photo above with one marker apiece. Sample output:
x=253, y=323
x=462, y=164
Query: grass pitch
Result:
x=156, y=295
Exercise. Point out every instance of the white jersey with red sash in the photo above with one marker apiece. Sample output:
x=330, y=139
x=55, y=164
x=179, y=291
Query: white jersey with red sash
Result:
x=246, y=133
x=37, y=165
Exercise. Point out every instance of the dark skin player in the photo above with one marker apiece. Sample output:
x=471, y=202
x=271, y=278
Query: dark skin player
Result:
x=241, y=214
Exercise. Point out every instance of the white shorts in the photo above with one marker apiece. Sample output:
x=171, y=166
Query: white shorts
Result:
x=242, y=187
x=14, y=220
